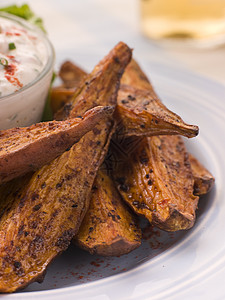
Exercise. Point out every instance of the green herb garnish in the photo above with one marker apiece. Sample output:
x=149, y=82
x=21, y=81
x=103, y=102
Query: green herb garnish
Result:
x=24, y=12
x=47, y=114
x=3, y=62
x=12, y=46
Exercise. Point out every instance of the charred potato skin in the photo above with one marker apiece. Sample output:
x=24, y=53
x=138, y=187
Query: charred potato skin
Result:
x=119, y=56
x=203, y=179
x=109, y=227
x=135, y=77
x=156, y=201
x=50, y=207
x=159, y=182
x=47, y=214
x=139, y=110
x=59, y=96
x=71, y=74
x=27, y=149
x=140, y=113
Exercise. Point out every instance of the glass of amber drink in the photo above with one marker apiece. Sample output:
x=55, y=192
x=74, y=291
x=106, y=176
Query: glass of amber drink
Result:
x=190, y=21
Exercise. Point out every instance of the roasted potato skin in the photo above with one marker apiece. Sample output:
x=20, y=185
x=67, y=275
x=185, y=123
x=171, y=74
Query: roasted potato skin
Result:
x=109, y=228
x=156, y=181
x=116, y=59
x=141, y=113
x=26, y=149
x=135, y=77
x=72, y=77
x=49, y=208
x=203, y=179
x=45, y=215
x=159, y=182
x=59, y=96
x=71, y=74
x=139, y=110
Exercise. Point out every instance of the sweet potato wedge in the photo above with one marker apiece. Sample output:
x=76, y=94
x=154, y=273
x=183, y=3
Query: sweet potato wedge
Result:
x=135, y=77
x=141, y=113
x=109, y=228
x=203, y=179
x=72, y=77
x=47, y=212
x=71, y=74
x=79, y=105
x=157, y=182
x=154, y=174
x=59, y=96
x=27, y=149
x=139, y=110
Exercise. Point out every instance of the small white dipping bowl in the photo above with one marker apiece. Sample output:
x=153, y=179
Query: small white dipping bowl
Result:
x=25, y=106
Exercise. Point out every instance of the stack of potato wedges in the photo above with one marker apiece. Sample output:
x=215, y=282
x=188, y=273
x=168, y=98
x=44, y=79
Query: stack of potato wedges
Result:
x=113, y=152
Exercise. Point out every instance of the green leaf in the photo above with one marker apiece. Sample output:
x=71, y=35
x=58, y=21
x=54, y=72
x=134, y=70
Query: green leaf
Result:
x=24, y=12
x=47, y=114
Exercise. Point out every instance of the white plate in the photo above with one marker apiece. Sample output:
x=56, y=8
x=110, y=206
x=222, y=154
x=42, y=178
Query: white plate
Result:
x=181, y=265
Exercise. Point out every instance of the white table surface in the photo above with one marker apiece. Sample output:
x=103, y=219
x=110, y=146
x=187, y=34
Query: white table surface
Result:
x=81, y=30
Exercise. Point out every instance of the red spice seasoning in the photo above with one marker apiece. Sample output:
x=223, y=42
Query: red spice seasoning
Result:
x=10, y=75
